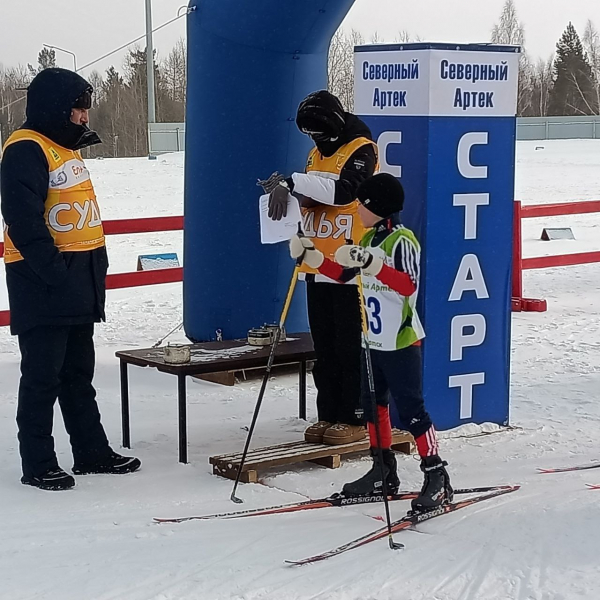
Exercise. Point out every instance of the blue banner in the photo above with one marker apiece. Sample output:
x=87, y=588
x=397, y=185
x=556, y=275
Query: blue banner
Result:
x=444, y=119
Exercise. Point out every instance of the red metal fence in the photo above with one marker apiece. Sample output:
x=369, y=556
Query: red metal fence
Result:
x=543, y=262
x=158, y=224
x=116, y=281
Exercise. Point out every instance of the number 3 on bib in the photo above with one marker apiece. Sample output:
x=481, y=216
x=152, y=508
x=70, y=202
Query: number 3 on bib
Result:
x=374, y=307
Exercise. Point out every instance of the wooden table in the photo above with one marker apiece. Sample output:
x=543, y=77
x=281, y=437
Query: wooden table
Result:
x=214, y=357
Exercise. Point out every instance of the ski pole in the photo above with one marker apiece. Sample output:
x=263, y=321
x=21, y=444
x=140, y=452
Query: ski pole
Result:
x=371, y=382
x=263, y=387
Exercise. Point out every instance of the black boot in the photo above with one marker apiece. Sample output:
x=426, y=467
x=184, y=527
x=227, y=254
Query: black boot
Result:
x=54, y=479
x=114, y=464
x=436, y=489
x=370, y=483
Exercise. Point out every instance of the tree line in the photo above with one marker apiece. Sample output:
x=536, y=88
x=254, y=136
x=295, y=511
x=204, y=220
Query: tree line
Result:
x=566, y=83
x=120, y=100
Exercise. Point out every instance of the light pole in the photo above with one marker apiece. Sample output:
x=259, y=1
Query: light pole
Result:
x=150, y=64
x=67, y=51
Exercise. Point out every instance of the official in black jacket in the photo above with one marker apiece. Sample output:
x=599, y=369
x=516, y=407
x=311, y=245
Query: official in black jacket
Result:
x=344, y=155
x=56, y=266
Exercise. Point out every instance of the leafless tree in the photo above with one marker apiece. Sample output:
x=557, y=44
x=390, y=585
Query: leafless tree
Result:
x=591, y=44
x=173, y=70
x=510, y=31
x=376, y=38
x=542, y=77
x=95, y=80
x=404, y=37
x=341, y=66
x=12, y=98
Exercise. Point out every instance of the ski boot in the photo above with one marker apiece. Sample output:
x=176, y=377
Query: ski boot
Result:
x=436, y=490
x=370, y=483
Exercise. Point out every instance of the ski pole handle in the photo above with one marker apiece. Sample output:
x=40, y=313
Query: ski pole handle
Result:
x=300, y=234
x=361, y=298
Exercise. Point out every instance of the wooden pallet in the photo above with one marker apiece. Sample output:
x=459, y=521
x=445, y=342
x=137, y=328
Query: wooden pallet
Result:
x=226, y=465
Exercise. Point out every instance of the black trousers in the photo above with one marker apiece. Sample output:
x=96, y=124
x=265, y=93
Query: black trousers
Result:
x=335, y=326
x=397, y=376
x=58, y=362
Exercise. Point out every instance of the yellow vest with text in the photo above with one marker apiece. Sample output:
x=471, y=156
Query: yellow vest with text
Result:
x=330, y=226
x=71, y=211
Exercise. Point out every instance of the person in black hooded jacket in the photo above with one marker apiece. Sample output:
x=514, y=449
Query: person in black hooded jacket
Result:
x=56, y=266
x=343, y=157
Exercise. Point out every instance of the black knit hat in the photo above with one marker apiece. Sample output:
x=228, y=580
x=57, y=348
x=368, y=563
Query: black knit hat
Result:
x=321, y=115
x=382, y=194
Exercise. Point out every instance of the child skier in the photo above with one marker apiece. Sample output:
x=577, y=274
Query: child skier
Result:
x=388, y=260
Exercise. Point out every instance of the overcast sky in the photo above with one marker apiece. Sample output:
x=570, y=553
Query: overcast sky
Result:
x=91, y=28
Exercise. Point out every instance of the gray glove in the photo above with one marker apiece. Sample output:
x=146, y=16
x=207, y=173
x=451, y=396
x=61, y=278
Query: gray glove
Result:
x=270, y=184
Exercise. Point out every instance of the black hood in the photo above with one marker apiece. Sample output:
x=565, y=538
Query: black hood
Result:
x=354, y=128
x=50, y=98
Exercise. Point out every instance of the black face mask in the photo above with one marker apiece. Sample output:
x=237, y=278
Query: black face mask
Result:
x=328, y=146
x=76, y=137
x=318, y=137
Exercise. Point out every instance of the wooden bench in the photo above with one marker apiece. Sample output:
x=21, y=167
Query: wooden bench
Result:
x=226, y=465
x=214, y=357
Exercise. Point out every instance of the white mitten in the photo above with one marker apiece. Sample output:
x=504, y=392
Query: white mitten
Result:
x=357, y=257
x=303, y=247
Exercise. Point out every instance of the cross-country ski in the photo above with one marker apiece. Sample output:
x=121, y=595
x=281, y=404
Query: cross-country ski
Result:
x=404, y=523
x=595, y=465
x=336, y=500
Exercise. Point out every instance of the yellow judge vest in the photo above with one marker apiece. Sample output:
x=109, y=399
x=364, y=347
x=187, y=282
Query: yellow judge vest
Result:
x=330, y=226
x=71, y=211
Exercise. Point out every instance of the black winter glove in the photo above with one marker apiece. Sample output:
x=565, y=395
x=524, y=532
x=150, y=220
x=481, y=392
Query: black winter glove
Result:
x=278, y=202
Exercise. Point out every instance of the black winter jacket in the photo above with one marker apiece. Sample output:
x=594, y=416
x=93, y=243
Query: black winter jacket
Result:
x=47, y=287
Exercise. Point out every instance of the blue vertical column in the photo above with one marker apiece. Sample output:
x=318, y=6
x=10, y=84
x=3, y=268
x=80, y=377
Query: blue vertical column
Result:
x=444, y=119
x=249, y=66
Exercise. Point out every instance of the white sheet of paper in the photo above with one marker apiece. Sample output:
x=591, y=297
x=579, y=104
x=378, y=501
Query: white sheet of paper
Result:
x=272, y=232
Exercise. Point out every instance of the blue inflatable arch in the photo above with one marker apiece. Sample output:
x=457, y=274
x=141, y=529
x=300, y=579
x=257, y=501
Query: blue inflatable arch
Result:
x=249, y=65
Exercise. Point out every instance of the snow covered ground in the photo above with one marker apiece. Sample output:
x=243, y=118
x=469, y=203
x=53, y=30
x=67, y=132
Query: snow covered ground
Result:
x=97, y=542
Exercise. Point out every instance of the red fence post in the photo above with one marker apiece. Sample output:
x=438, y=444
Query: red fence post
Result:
x=517, y=270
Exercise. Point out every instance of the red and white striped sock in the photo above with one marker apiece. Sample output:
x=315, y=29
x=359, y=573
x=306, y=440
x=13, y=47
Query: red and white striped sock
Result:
x=427, y=444
x=385, y=429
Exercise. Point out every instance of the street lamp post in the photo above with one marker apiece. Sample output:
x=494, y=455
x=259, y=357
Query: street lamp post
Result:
x=150, y=64
x=67, y=51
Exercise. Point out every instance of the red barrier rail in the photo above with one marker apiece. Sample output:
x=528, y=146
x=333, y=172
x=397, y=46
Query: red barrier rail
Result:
x=144, y=225
x=562, y=260
x=116, y=281
x=557, y=210
x=544, y=262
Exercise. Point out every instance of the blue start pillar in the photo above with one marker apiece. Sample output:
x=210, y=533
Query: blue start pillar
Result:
x=249, y=66
x=444, y=119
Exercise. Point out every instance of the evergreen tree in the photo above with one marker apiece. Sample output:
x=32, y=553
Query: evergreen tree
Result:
x=573, y=89
x=46, y=59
